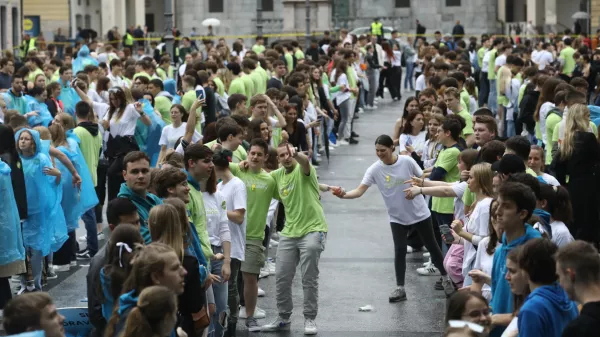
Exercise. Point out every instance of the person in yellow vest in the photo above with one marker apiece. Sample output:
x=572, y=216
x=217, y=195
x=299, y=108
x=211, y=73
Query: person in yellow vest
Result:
x=377, y=30
x=128, y=41
x=27, y=45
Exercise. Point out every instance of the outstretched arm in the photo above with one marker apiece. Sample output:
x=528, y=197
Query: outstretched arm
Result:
x=354, y=194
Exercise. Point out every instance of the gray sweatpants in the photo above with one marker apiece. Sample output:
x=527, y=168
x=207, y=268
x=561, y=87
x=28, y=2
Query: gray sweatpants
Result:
x=306, y=251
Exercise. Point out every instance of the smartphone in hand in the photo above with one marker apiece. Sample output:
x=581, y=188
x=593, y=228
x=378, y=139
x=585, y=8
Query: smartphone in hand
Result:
x=200, y=94
x=445, y=230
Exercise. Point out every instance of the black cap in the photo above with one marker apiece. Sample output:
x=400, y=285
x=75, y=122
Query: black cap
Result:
x=509, y=164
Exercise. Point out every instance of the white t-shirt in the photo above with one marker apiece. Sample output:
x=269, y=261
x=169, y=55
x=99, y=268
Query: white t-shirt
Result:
x=512, y=328
x=216, y=218
x=459, y=189
x=390, y=181
x=271, y=213
x=93, y=95
x=500, y=61
x=544, y=59
x=235, y=195
x=420, y=84
x=560, y=232
x=477, y=225
x=484, y=262
x=125, y=126
x=417, y=142
x=341, y=96
x=117, y=81
x=550, y=180
x=170, y=135
x=547, y=106
x=396, y=61
x=486, y=61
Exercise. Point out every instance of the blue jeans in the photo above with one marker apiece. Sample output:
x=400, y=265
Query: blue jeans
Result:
x=36, y=260
x=408, y=79
x=493, y=97
x=89, y=219
x=220, y=291
x=509, y=128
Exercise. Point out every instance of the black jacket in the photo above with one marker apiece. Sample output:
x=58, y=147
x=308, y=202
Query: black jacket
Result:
x=587, y=324
x=94, y=305
x=526, y=112
x=9, y=155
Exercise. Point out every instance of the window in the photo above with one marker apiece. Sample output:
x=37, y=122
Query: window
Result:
x=88, y=21
x=452, y=3
x=79, y=21
x=402, y=3
x=215, y=6
x=78, y=2
x=16, y=26
x=267, y=5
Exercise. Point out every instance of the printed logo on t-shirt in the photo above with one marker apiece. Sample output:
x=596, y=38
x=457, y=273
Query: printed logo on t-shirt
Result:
x=224, y=205
x=285, y=191
x=391, y=182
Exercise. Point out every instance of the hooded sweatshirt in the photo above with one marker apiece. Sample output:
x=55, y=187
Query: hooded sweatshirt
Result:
x=162, y=103
x=90, y=145
x=501, y=294
x=546, y=312
x=143, y=205
x=83, y=59
x=587, y=324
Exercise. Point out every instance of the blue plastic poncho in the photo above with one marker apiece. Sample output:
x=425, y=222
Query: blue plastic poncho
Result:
x=44, y=116
x=171, y=86
x=83, y=59
x=11, y=240
x=76, y=201
x=43, y=207
x=15, y=102
x=148, y=137
x=69, y=97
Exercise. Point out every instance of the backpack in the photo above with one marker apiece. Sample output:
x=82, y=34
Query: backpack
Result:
x=555, y=111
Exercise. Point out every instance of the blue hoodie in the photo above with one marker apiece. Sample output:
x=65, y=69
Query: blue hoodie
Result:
x=501, y=294
x=546, y=312
x=83, y=59
x=143, y=207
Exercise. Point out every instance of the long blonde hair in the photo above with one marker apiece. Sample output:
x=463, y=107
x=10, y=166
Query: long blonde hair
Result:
x=504, y=78
x=59, y=137
x=483, y=175
x=577, y=120
x=165, y=226
x=148, y=317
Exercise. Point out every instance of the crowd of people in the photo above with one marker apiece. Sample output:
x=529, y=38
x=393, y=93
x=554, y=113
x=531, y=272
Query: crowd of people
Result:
x=208, y=158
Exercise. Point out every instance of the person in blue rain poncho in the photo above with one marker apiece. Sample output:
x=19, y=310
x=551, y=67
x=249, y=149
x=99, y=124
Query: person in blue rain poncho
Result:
x=68, y=96
x=155, y=264
x=149, y=136
x=171, y=87
x=83, y=59
x=12, y=252
x=37, y=109
x=14, y=97
x=41, y=190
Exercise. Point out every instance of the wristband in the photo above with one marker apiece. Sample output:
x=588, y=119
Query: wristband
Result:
x=421, y=191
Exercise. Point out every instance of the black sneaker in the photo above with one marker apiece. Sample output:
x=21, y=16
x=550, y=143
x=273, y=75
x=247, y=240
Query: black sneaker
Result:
x=84, y=255
x=355, y=116
x=354, y=135
x=438, y=285
x=397, y=295
x=353, y=141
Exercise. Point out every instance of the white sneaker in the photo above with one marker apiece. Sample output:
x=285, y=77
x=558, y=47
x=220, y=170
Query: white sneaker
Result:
x=273, y=243
x=310, y=327
x=272, y=267
x=373, y=107
x=261, y=293
x=73, y=264
x=343, y=142
x=409, y=249
x=264, y=272
x=277, y=325
x=427, y=254
x=361, y=110
x=275, y=235
x=258, y=313
x=331, y=145
x=428, y=271
x=82, y=238
x=62, y=268
x=428, y=263
x=101, y=236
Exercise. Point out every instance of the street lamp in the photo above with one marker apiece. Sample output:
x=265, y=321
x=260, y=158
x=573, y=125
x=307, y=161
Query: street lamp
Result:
x=307, y=34
x=169, y=38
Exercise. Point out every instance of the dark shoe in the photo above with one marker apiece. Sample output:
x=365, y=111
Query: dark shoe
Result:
x=354, y=135
x=353, y=141
x=397, y=295
x=355, y=116
x=230, y=330
x=438, y=285
x=84, y=255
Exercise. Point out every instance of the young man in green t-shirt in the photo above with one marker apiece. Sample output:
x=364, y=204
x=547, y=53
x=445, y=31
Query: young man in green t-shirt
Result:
x=261, y=188
x=568, y=61
x=452, y=99
x=445, y=169
x=162, y=99
x=303, y=237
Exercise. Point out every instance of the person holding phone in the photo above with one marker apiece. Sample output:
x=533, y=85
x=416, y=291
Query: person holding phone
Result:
x=389, y=174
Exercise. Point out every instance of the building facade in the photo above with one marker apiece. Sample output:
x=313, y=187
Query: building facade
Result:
x=10, y=24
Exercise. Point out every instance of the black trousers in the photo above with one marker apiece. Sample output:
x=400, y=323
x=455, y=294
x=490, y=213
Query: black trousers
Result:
x=66, y=253
x=394, y=80
x=5, y=292
x=425, y=230
x=101, y=188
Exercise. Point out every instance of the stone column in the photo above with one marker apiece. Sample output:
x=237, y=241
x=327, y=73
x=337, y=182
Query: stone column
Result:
x=289, y=16
x=140, y=13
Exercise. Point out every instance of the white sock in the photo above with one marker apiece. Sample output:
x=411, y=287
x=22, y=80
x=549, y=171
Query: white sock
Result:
x=400, y=287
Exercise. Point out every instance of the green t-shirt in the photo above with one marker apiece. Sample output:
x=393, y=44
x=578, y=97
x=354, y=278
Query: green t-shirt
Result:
x=530, y=172
x=259, y=49
x=468, y=197
x=465, y=100
x=299, y=54
x=290, y=62
x=261, y=188
x=492, y=64
x=33, y=75
x=552, y=121
x=468, y=129
x=480, y=55
x=161, y=73
x=567, y=55
x=448, y=160
x=220, y=86
x=163, y=105
x=262, y=73
x=143, y=74
x=299, y=194
x=260, y=85
x=90, y=148
x=250, y=89
x=198, y=218
x=237, y=87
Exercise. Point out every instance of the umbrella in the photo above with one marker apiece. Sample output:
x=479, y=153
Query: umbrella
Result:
x=580, y=16
x=211, y=22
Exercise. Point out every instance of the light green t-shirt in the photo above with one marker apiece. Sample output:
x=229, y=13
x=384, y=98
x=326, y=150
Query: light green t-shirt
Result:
x=163, y=105
x=299, y=194
x=161, y=73
x=261, y=188
x=237, y=87
x=143, y=74
x=238, y=155
x=567, y=55
x=187, y=101
x=259, y=49
x=220, y=86
x=530, y=172
x=290, y=62
x=480, y=55
x=250, y=89
x=90, y=148
x=468, y=129
x=34, y=74
x=299, y=54
x=552, y=121
x=468, y=197
x=260, y=86
x=448, y=160
x=198, y=217
x=492, y=64
x=465, y=100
